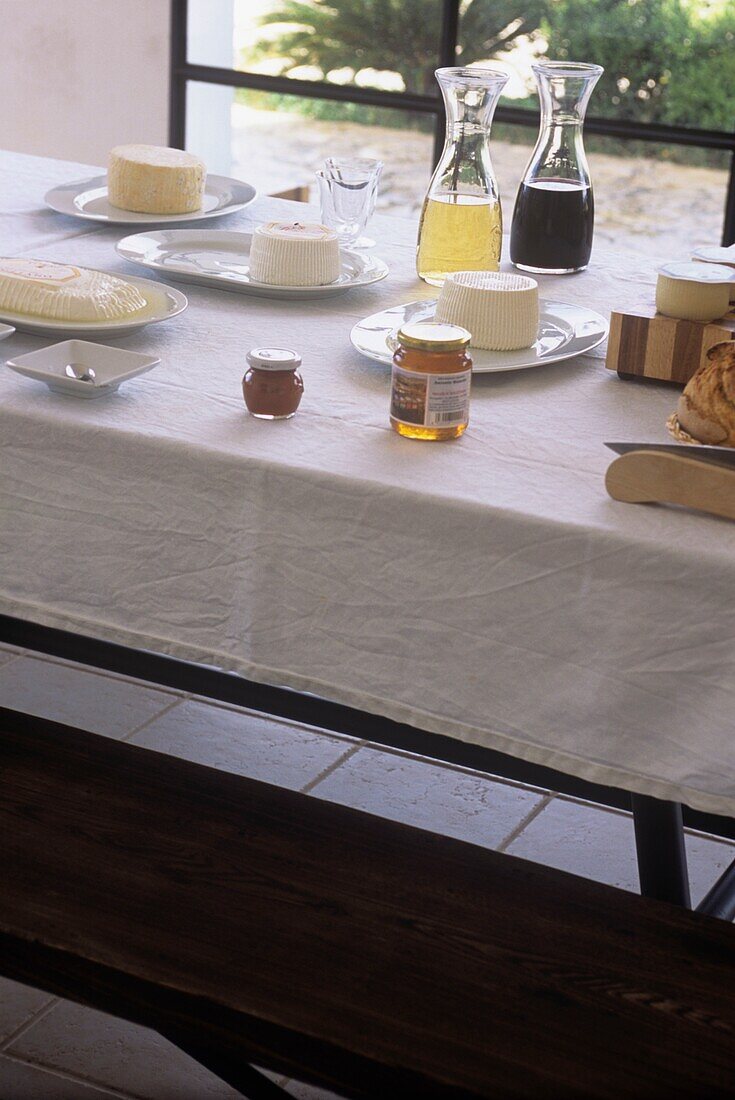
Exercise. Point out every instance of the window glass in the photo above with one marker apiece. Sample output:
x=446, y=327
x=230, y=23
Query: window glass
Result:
x=277, y=142
x=655, y=200
x=391, y=45
x=666, y=61
x=629, y=179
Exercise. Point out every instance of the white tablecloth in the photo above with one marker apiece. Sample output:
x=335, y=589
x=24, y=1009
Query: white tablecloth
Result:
x=487, y=588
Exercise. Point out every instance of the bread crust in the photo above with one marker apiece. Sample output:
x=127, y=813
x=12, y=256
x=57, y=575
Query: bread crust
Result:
x=706, y=408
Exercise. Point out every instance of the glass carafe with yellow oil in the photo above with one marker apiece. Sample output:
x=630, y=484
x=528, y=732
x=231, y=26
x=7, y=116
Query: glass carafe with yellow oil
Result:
x=461, y=226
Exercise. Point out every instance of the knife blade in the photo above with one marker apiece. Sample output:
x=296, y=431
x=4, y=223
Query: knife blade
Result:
x=723, y=456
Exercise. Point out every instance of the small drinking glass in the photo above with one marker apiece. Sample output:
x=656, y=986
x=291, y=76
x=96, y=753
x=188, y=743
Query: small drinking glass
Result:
x=348, y=190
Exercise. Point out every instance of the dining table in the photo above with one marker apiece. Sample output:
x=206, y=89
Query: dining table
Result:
x=486, y=589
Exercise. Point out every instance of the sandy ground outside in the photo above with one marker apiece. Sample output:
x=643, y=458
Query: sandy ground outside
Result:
x=642, y=204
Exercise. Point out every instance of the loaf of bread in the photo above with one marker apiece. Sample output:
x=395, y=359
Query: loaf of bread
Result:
x=706, y=408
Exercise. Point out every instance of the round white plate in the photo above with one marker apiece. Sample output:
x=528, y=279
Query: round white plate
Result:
x=164, y=302
x=565, y=330
x=88, y=199
x=221, y=259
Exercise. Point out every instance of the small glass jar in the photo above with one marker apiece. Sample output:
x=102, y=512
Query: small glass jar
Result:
x=430, y=384
x=272, y=387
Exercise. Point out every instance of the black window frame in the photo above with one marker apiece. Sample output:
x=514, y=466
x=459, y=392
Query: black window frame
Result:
x=182, y=71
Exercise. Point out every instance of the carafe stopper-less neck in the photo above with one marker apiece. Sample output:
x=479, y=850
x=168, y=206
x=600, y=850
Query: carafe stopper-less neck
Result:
x=564, y=90
x=470, y=97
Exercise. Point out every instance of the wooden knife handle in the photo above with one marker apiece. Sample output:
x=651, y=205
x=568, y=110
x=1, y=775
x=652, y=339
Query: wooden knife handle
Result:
x=644, y=476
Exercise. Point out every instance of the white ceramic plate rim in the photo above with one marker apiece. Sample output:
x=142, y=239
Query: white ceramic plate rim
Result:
x=176, y=303
x=144, y=248
x=62, y=199
x=726, y=254
x=492, y=362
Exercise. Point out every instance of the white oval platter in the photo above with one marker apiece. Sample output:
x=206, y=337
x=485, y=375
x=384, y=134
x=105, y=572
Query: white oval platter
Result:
x=221, y=259
x=87, y=199
x=164, y=302
x=565, y=330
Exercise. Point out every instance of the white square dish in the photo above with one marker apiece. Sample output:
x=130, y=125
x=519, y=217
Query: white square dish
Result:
x=81, y=368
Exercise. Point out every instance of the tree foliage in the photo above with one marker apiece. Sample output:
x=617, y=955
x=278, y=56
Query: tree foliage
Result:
x=397, y=35
x=665, y=60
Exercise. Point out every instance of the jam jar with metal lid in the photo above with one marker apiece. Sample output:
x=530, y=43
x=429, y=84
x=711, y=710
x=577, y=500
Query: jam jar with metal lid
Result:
x=430, y=384
x=273, y=386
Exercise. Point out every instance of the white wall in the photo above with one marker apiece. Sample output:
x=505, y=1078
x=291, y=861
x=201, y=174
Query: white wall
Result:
x=79, y=76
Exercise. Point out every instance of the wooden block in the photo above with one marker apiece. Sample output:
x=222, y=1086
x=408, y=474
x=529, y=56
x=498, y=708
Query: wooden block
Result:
x=646, y=344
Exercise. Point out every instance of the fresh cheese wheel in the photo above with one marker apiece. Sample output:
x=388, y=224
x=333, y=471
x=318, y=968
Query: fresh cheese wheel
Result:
x=63, y=292
x=693, y=291
x=294, y=254
x=500, y=310
x=150, y=179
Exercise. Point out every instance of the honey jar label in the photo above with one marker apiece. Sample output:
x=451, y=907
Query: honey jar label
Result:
x=430, y=400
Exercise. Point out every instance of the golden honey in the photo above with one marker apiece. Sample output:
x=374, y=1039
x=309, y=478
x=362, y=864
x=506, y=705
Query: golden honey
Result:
x=430, y=383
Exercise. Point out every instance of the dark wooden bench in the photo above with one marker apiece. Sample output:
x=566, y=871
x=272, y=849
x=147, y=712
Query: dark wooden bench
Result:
x=253, y=925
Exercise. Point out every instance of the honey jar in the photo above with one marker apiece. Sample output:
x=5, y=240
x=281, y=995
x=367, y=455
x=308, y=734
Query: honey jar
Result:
x=273, y=386
x=430, y=384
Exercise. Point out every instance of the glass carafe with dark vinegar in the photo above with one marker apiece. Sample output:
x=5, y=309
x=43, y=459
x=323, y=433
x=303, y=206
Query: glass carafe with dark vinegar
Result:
x=461, y=226
x=554, y=215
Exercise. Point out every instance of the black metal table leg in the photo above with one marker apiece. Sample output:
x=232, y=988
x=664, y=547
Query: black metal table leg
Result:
x=662, y=860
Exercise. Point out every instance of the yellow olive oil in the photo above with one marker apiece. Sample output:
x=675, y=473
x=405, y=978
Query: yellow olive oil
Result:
x=458, y=233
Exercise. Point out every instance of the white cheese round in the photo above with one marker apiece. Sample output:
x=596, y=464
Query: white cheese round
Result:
x=150, y=179
x=63, y=292
x=294, y=254
x=693, y=291
x=500, y=310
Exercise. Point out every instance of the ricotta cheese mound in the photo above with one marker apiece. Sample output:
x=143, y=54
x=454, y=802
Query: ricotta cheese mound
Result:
x=151, y=179
x=63, y=292
x=294, y=254
x=501, y=310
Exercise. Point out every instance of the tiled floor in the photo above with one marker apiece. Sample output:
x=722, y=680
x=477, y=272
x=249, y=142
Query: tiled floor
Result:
x=54, y=1050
